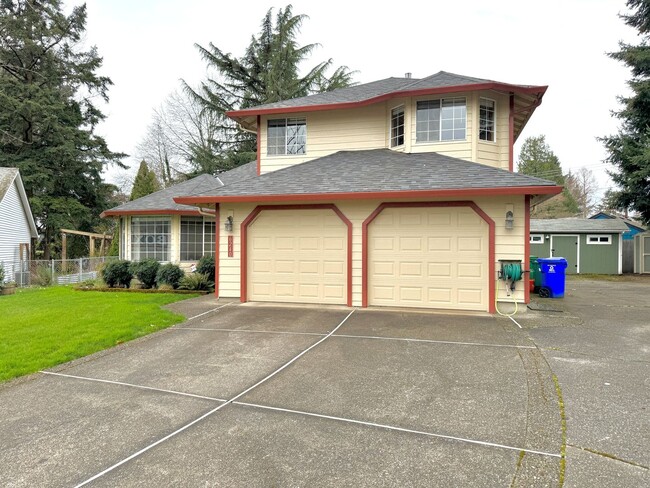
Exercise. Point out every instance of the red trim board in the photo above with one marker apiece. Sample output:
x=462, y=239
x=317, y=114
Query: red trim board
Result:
x=217, y=220
x=161, y=211
x=315, y=206
x=526, y=263
x=511, y=133
x=472, y=205
x=259, y=146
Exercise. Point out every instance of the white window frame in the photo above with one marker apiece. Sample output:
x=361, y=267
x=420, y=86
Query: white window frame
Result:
x=494, y=130
x=598, y=241
x=440, y=140
x=533, y=237
x=151, y=240
x=207, y=248
x=288, y=121
x=393, y=116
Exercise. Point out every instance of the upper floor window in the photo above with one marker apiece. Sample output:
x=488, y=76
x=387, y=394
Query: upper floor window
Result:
x=441, y=120
x=486, y=120
x=397, y=127
x=287, y=136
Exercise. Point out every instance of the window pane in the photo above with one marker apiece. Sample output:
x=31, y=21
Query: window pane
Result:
x=487, y=120
x=397, y=127
x=150, y=237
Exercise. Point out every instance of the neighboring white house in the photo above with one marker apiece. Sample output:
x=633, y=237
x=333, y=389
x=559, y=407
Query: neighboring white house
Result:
x=17, y=228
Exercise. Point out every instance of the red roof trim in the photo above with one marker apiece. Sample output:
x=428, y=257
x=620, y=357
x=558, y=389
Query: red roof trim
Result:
x=518, y=190
x=539, y=90
x=161, y=211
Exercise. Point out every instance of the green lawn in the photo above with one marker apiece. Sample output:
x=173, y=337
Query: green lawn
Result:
x=43, y=327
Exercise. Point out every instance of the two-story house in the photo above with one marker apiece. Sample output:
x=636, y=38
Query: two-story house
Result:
x=399, y=192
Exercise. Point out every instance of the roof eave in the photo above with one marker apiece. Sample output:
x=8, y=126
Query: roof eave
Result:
x=441, y=193
x=157, y=211
x=239, y=115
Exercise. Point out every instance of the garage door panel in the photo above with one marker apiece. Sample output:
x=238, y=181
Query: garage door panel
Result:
x=304, y=262
x=440, y=260
x=439, y=243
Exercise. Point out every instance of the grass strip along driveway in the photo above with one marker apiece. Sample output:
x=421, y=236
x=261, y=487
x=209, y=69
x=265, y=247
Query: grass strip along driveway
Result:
x=40, y=328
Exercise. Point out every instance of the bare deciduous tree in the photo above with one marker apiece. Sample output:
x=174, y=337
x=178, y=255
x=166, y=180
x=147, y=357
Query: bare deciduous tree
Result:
x=582, y=185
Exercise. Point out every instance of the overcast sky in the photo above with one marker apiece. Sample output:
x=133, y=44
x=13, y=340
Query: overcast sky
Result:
x=148, y=46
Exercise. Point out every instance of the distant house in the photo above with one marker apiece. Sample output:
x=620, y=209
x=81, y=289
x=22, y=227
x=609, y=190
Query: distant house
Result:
x=633, y=226
x=17, y=228
x=588, y=245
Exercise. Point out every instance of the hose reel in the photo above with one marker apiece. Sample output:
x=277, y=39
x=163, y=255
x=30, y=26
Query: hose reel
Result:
x=511, y=271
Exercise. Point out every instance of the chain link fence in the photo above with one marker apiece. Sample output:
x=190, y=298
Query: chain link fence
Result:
x=55, y=271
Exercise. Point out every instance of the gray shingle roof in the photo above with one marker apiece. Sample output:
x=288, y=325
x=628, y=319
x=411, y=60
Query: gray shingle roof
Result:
x=377, y=170
x=367, y=91
x=7, y=176
x=163, y=200
x=568, y=226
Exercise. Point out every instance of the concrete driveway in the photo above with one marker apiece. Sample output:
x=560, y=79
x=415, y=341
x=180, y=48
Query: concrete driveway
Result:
x=251, y=395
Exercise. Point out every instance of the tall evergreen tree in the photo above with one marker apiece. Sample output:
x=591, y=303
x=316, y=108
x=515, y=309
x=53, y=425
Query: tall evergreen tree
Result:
x=145, y=182
x=537, y=159
x=48, y=84
x=269, y=71
x=629, y=150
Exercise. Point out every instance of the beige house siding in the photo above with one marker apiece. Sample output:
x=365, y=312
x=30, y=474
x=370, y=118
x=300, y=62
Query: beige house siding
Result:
x=509, y=244
x=330, y=131
x=368, y=127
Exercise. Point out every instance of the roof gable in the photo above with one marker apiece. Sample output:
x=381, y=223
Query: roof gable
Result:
x=9, y=176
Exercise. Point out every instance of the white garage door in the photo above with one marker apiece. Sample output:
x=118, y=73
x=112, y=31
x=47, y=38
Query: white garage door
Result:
x=428, y=257
x=297, y=256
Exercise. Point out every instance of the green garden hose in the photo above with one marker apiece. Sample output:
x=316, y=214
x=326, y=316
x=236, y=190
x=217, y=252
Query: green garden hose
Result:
x=512, y=272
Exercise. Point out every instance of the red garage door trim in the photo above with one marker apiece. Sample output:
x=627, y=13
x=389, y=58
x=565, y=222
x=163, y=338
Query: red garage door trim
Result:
x=472, y=205
x=316, y=206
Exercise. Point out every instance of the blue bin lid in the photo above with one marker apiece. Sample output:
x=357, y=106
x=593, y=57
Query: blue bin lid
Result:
x=553, y=260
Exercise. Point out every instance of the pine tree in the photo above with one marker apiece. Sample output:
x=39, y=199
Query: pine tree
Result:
x=145, y=182
x=629, y=150
x=269, y=71
x=47, y=114
x=537, y=159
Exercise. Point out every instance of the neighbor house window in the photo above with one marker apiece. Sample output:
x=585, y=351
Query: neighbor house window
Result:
x=486, y=120
x=197, y=238
x=599, y=239
x=150, y=237
x=286, y=136
x=441, y=120
x=397, y=127
x=536, y=238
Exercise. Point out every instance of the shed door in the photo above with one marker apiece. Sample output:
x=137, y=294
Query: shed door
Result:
x=297, y=256
x=428, y=257
x=566, y=247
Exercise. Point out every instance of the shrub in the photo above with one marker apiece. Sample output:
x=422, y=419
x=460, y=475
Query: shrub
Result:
x=169, y=274
x=205, y=266
x=146, y=271
x=118, y=273
x=195, y=281
x=2, y=275
x=42, y=276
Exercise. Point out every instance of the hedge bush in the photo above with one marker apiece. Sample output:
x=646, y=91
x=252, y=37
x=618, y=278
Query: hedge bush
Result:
x=195, y=281
x=118, y=273
x=146, y=271
x=169, y=274
x=205, y=266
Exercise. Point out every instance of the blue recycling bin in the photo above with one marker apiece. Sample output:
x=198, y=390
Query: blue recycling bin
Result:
x=553, y=277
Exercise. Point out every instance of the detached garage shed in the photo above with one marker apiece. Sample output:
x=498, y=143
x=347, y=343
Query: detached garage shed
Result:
x=588, y=245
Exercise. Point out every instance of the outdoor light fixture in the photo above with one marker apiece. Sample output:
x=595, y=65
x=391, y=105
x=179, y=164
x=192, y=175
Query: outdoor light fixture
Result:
x=510, y=220
x=227, y=225
x=547, y=236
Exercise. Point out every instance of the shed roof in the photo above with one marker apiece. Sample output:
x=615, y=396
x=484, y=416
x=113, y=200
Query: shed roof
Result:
x=572, y=226
x=363, y=174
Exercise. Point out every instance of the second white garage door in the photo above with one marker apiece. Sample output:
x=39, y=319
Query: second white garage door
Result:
x=432, y=257
x=297, y=256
